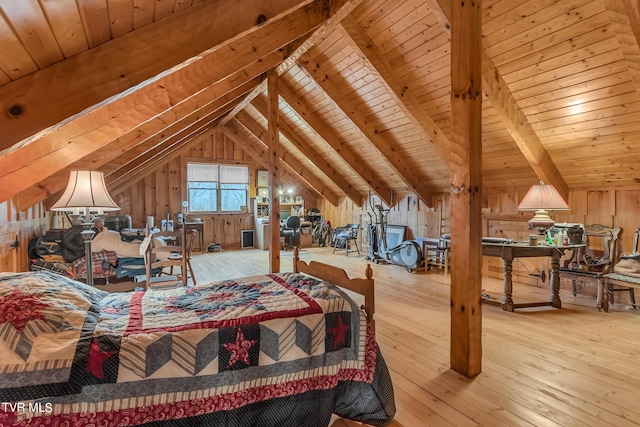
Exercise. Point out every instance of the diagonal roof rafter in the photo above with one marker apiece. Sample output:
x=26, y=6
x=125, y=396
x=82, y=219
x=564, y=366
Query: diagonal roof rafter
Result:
x=348, y=107
x=339, y=147
x=514, y=118
x=328, y=170
x=60, y=147
x=247, y=122
x=257, y=148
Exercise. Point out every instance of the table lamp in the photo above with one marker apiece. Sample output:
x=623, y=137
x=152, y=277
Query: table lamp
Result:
x=86, y=192
x=542, y=198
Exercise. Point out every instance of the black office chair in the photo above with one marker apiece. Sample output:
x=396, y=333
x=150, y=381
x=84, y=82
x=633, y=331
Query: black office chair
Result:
x=291, y=232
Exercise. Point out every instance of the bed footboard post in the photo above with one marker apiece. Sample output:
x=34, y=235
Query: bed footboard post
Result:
x=369, y=297
x=295, y=260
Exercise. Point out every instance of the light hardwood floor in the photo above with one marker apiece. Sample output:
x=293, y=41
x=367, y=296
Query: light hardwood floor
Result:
x=573, y=366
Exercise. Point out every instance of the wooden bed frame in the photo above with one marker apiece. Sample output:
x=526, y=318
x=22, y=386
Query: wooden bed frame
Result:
x=339, y=277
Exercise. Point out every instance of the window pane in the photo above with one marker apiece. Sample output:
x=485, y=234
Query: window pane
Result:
x=206, y=195
x=203, y=197
x=233, y=196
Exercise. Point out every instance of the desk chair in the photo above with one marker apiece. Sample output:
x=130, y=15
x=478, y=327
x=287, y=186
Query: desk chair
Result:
x=291, y=232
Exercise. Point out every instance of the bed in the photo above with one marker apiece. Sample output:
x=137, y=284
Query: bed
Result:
x=271, y=350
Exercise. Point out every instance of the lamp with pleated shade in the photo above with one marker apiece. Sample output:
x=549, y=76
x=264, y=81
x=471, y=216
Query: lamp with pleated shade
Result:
x=86, y=192
x=542, y=198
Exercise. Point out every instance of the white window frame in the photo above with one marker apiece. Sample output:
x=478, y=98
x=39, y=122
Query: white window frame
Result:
x=219, y=174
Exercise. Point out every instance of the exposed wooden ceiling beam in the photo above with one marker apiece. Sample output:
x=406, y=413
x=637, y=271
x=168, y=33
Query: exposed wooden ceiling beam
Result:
x=125, y=161
x=341, y=149
x=253, y=146
x=339, y=12
x=88, y=78
x=512, y=115
x=121, y=178
x=318, y=161
x=289, y=159
x=519, y=127
x=396, y=163
x=59, y=147
x=399, y=90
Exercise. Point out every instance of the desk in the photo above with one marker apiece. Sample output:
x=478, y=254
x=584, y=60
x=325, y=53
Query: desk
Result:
x=199, y=227
x=508, y=252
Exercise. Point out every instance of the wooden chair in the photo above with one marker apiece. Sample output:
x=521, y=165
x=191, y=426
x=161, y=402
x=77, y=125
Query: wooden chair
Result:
x=165, y=249
x=593, y=261
x=189, y=243
x=436, y=253
x=617, y=282
x=345, y=236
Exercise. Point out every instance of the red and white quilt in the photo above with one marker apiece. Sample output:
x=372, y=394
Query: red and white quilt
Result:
x=190, y=352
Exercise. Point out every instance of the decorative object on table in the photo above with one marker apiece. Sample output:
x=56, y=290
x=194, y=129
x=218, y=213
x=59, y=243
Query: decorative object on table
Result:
x=542, y=198
x=86, y=195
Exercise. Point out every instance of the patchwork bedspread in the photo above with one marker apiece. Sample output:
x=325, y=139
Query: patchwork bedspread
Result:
x=263, y=350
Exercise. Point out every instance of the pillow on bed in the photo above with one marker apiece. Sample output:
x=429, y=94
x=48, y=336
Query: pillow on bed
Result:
x=46, y=328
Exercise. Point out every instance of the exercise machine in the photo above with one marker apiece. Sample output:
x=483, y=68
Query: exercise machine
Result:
x=407, y=254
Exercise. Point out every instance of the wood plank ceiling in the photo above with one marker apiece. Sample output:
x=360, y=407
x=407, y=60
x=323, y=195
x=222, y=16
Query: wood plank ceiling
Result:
x=365, y=85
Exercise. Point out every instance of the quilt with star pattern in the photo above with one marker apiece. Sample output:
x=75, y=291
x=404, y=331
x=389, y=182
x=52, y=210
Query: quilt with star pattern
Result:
x=276, y=349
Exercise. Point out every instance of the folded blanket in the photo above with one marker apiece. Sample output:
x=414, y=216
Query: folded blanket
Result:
x=628, y=267
x=103, y=264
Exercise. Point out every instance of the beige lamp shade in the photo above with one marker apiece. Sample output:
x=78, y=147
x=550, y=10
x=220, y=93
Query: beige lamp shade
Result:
x=542, y=198
x=85, y=189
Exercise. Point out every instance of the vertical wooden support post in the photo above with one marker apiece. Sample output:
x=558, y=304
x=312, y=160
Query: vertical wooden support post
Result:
x=273, y=134
x=466, y=188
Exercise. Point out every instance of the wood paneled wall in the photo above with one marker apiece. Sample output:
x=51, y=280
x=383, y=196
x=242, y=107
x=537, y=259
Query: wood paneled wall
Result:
x=160, y=190
x=501, y=218
x=21, y=227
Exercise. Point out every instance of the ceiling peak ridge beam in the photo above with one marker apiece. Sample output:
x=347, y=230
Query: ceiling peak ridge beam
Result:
x=515, y=120
x=402, y=95
x=341, y=149
x=318, y=161
x=625, y=22
x=56, y=149
x=70, y=92
x=248, y=123
x=119, y=155
x=338, y=11
x=348, y=108
x=253, y=145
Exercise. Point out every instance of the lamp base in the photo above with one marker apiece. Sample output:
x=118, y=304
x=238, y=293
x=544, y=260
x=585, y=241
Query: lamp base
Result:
x=541, y=222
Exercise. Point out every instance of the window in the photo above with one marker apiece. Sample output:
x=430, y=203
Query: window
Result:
x=217, y=188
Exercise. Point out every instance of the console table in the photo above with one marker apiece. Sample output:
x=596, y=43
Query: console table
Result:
x=510, y=251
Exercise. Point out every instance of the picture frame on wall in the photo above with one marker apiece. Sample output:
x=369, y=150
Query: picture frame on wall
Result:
x=262, y=178
x=298, y=199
